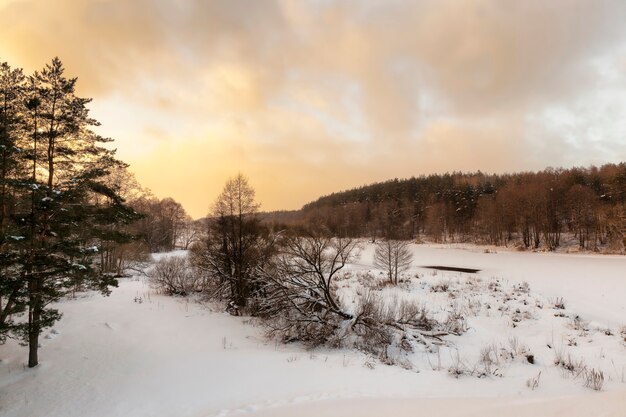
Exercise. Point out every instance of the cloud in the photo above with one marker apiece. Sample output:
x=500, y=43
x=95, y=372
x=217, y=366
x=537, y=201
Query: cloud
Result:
x=487, y=54
x=323, y=95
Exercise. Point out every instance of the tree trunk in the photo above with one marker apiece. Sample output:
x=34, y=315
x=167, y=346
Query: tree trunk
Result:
x=33, y=341
x=34, y=327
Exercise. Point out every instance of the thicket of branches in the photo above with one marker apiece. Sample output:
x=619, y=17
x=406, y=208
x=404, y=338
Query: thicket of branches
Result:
x=234, y=245
x=530, y=210
x=166, y=225
x=300, y=301
x=289, y=279
x=174, y=276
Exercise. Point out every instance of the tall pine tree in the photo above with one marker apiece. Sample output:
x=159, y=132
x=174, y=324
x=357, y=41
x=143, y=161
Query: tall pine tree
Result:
x=64, y=206
x=12, y=165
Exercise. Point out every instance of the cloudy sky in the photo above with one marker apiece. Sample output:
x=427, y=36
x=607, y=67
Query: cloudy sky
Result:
x=310, y=97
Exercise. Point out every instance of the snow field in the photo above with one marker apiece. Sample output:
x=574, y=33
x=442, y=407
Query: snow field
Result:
x=138, y=353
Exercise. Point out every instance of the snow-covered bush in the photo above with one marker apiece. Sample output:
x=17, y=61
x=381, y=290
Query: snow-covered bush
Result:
x=380, y=324
x=173, y=276
x=494, y=357
x=301, y=304
x=441, y=286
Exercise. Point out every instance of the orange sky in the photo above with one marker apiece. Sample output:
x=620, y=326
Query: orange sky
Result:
x=311, y=97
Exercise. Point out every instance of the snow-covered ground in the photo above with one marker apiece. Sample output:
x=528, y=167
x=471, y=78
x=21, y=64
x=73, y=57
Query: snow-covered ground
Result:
x=137, y=353
x=593, y=285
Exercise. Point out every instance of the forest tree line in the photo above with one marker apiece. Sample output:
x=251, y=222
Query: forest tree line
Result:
x=284, y=267
x=530, y=209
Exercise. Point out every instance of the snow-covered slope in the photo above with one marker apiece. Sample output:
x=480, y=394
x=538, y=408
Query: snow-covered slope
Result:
x=136, y=353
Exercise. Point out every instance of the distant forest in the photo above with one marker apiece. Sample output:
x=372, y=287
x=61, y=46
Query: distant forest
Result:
x=530, y=209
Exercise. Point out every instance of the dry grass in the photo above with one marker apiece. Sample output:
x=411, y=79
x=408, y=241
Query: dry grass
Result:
x=593, y=379
x=533, y=383
x=558, y=303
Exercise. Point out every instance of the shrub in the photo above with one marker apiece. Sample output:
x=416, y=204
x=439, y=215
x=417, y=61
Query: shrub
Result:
x=442, y=286
x=173, y=276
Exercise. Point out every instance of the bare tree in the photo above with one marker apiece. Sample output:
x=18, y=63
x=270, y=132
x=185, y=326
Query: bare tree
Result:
x=163, y=222
x=300, y=302
x=312, y=262
x=117, y=257
x=583, y=210
x=394, y=257
x=174, y=216
x=298, y=286
x=190, y=232
x=235, y=244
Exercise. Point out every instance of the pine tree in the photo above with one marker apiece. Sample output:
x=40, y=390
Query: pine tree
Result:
x=64, y=206
x=12, y=85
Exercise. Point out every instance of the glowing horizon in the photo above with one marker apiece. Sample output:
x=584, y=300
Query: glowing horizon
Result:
x=307, y=98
